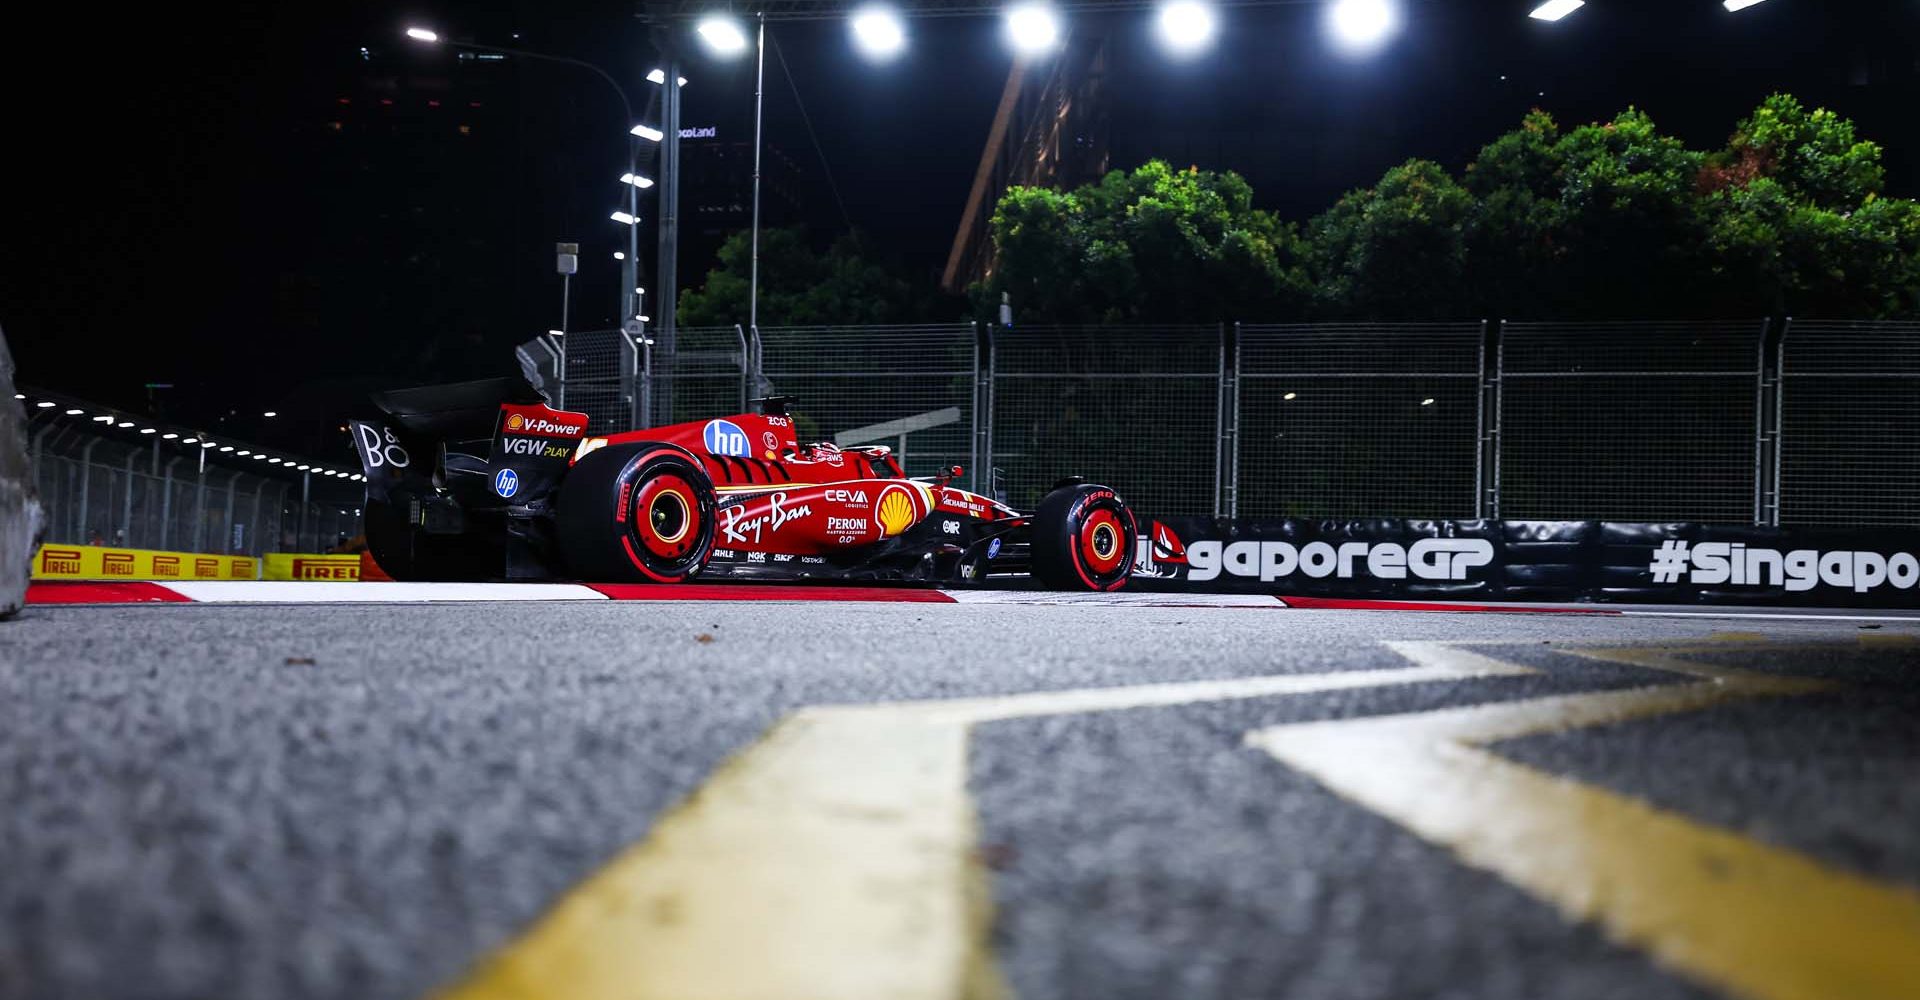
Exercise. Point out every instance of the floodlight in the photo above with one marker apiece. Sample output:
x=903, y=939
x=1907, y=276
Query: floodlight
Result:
x=722, y=35
x=1033, y=28
x=1360, y=26
x=878, y=33
x=1554, y=10
x=1186, y=26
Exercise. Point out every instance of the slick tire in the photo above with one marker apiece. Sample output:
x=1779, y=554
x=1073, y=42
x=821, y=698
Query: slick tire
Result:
x=1083, y=539
x=636, y=513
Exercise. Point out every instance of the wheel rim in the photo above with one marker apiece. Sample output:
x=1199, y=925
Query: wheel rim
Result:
x=1103, y=541
x=665, y=517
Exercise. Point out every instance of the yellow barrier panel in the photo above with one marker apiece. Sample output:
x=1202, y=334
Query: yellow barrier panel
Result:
x=94, y=562
x=291, y=566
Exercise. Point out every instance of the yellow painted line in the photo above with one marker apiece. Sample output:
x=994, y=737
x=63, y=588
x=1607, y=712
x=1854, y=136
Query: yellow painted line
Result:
x=833, y=860
x=1759, y=921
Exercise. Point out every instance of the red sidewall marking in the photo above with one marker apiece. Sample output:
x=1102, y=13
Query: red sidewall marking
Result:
x=767, y=592
x=83, y=592
x=626, y=542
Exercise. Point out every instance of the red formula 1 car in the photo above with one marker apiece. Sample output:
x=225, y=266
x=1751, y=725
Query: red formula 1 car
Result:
x=482, y=480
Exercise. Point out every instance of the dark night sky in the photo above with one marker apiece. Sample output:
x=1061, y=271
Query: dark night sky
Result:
x=179, y=210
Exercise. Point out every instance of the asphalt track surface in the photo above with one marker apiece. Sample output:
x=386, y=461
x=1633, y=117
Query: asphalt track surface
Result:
x=368, y=800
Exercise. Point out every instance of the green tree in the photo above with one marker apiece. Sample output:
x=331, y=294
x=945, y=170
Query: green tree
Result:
x=802, y=287
x=1608, y=220
x=1394, y=251
x=1150, y=244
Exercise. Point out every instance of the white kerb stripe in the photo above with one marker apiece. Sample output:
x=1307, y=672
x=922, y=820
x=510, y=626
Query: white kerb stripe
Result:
x=375, y=592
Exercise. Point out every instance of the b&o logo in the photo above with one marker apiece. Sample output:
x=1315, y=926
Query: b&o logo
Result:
x=378, y=447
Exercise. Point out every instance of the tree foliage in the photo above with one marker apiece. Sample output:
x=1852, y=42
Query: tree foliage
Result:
x=1610, y=219
x=800, y=286
x=1151, y=244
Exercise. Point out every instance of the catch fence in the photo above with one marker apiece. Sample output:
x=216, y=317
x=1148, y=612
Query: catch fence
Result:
x=1740, y=422
x=98, y=491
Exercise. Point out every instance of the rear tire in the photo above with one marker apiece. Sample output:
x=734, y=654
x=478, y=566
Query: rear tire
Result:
x=1083, y=539
x=640, y=513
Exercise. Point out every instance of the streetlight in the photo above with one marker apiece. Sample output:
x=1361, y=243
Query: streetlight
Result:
x=1733, y=5
x=636, y=180
x=1554, y=10
x=722, y=35
x=1361, y=26
x=648, y=133
x=1033, y=29
x=1186, y=26
x=628, y=307
x=877, y=31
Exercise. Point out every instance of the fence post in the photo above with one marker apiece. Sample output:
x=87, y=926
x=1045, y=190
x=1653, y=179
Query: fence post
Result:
x=126, y=503
x=1226, y=446
x=1480, y=431
x=983, y=365
x=1777, y=422
x=200, y=508
x=630, y=378
x=749, y=377
x=86, y=480
x=233, y=486
x=166, y=503
x=253, y=523
x=1761, y=424
x=1492, y=409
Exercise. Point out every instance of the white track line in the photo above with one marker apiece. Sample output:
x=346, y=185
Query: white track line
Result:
x=376, y=592
x=1136, y=599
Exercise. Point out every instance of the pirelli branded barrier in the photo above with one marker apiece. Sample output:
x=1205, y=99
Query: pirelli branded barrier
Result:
x=93, y=562
x=293, y=566
x=1676, y=563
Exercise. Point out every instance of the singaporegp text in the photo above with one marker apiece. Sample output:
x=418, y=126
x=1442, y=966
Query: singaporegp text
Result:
x=1713, y=564
x=1426, y=559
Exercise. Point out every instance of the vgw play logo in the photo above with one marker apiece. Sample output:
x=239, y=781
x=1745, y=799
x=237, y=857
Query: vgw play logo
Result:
x=724, y=437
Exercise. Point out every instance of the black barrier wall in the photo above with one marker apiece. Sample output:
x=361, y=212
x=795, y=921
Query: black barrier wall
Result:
x=1558, y=561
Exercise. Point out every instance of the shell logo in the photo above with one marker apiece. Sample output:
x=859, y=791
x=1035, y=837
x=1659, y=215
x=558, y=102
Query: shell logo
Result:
x=894, y=512
x=515, y=421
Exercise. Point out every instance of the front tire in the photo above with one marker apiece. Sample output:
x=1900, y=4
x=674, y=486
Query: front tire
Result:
x=1083, y=539
x=641, y=513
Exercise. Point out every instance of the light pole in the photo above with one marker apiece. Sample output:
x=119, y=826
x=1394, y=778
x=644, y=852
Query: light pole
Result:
x=753, y=268
x=724, y=38
x=630, y=264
